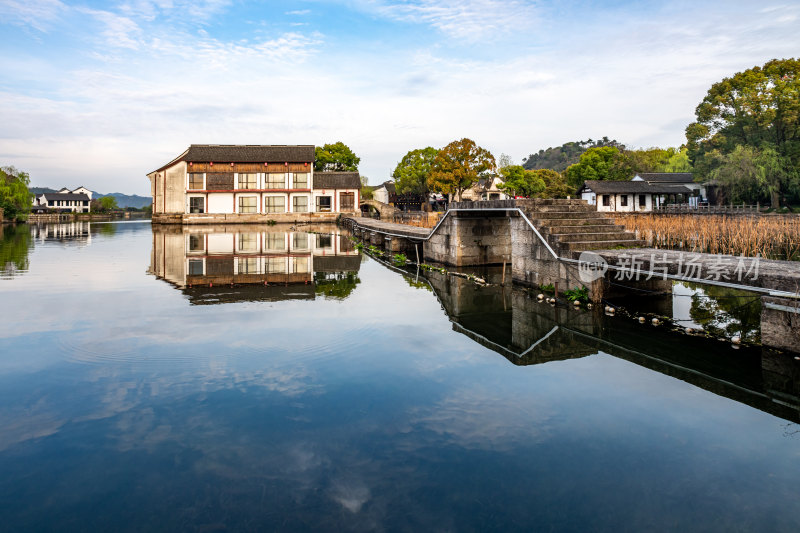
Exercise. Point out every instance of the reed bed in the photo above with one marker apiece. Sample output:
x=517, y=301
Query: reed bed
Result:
x=771, y=237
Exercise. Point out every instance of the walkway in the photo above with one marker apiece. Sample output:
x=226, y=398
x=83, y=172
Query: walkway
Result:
x=390, y=228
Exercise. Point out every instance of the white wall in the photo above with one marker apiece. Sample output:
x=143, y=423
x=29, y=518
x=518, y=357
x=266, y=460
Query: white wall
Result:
x=220, y=202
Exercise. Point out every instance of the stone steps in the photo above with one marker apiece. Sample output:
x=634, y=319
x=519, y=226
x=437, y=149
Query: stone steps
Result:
x=581, y=228
x=573, y=222
x=607, y=236
x=579, y=246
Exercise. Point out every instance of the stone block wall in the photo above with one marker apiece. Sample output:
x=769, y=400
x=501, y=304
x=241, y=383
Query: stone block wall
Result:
x=469, y=241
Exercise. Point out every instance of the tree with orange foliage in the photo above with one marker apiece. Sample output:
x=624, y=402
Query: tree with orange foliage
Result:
x=458, y=166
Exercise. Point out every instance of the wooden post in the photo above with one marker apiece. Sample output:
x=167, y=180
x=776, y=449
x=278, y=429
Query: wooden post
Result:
x=416, y=251
x=503, y=282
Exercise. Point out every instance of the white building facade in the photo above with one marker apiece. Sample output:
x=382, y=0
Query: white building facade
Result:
x=258, y=183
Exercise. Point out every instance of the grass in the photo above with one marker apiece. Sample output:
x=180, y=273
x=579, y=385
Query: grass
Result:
x=771, y=237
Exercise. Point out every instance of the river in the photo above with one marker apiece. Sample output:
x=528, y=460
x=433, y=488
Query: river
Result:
x=243, y=378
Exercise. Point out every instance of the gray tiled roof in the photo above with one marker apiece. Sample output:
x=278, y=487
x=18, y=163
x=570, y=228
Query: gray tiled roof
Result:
x=51, y=196
x=632, y=187
x=246, y=153
x=666, y=177
x=337, y=180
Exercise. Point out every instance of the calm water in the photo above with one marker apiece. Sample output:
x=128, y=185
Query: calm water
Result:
x=327, y=391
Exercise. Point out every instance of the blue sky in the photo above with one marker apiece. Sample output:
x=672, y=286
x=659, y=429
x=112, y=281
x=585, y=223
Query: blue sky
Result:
x=100, y=93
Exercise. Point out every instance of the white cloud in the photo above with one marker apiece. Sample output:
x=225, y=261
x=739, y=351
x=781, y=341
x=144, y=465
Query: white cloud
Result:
x=463, y=19
x=38, y=14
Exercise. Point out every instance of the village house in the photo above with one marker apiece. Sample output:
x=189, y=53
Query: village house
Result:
x=631, y=196
x=250, y=183
x=485, y=189
x=685, y=179
x=75, y=201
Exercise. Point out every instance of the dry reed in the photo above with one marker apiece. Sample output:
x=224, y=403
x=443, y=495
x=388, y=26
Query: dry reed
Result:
x=771, y=237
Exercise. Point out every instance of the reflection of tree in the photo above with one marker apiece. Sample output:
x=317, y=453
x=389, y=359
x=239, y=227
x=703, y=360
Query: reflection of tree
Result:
x=726, y=312
x=14, y=247
x=106, y=229
x=336, y=286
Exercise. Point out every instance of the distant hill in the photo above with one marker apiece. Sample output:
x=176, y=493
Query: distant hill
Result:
x=123, y=200
x=560, y=157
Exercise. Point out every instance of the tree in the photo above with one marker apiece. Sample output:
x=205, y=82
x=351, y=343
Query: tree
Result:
x=335, y=157
x=555, y=184
x=749, y=174
x=560, y=157
x=604, y=163
x=678, y=162
x=458, y=166
x=15, y=199
x=366, y=190
x=759, y=108
x=103, y=204
x=520, y=182
x=412, y=172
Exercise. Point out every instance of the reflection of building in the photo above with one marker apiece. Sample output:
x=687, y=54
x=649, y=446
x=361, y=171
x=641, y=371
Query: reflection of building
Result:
x=247, y=183
x=200, y=258
x=76, y=201
x=71, y=231
x=526, y=331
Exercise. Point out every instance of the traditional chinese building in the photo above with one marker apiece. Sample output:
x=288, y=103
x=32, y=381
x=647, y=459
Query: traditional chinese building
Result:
x=75, y=201
x=249, y=183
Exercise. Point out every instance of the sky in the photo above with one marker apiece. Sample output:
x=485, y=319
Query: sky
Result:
x=101, y=93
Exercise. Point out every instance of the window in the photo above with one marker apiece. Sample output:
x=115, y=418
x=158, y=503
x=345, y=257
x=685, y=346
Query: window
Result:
x=247, y=181
x=276, y=265
x=300, y=204
x=301, y=265
x=196, y=180
x=248, y=242
x=347, y=201
x=248, y=265
x=606, y=200
x=247, y=204
x=197, y=205
x=324, y=241
x=299, y=241
x=195, y=267
x=623, y=200
x=196, y=243
x=323, y=203
x=642, y=200
x=276, y=241
x=276, y=181
x=275, y=204
x=300, y=180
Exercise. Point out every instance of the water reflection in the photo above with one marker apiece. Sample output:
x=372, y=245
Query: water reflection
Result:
x=14, y=248
x=527, y=331
x=228, y=263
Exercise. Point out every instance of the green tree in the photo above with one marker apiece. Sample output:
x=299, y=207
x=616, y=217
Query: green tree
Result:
x=677, y=162
x=604, y=163
x=412, y=172
x=366, y=190
x=335, y=157
x=520, y=182
x=15, y=198
x=104, y=204
x=749, y=174
x=560, y=157
x=759, y=108
x=555, y=184
x=458, y=166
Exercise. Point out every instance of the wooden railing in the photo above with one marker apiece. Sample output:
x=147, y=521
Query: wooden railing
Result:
x=709, y=209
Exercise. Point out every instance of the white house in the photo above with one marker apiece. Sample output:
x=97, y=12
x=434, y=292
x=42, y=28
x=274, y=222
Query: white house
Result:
x=76, y=201
x=630, y=196
x=385, y=193
x=485, y=189
x=685, y=179
x=257, y=183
